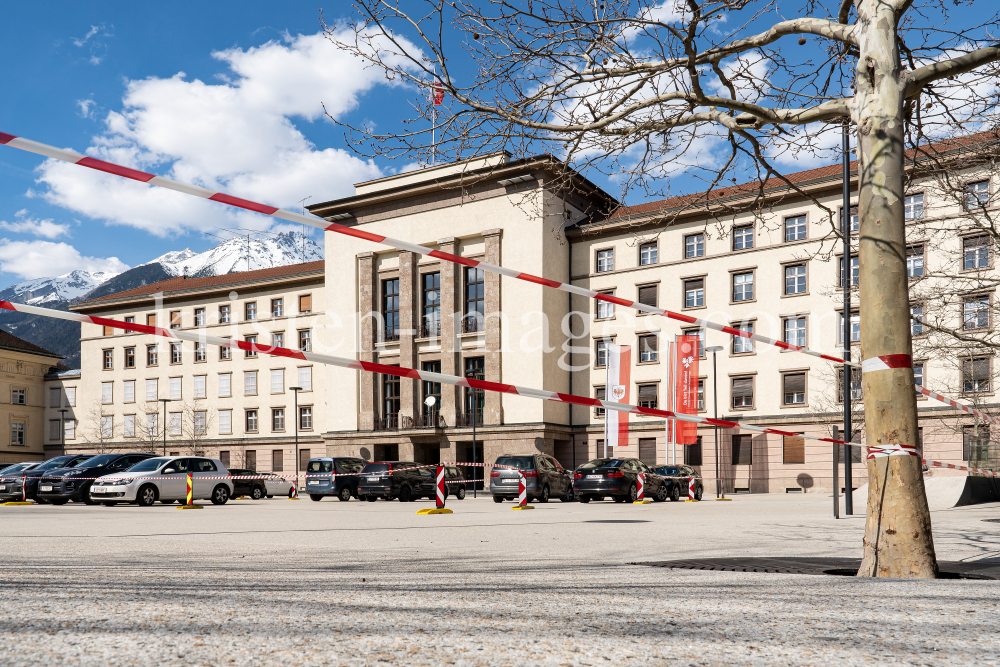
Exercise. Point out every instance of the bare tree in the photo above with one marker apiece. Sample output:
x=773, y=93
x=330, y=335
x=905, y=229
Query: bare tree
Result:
x=196, y=424
x=631, y=89
x=100, y=426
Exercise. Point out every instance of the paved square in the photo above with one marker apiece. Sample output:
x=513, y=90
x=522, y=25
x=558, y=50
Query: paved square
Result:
x=302, y=583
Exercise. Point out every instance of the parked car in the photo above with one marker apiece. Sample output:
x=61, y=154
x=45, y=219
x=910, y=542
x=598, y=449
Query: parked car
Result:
x=164, y=478
x=252, y=485
x=276, y=485
x=11, y=476
x=452, y=487
x=678, y=479
x=618, y=478
x=389, y=480
x=61, y=485
x=12, y=489
x=543, y=478
x=331, y=476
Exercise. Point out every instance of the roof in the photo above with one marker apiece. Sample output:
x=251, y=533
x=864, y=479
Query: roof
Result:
x=9, y=341
x=62, y=371
x=181, y=284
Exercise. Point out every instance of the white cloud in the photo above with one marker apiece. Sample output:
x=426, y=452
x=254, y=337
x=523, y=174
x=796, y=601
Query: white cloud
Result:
x=93, y=31
x=39, y=259
x=27, y=225
x=236, y=136
x=93, y=41
x=86, y=108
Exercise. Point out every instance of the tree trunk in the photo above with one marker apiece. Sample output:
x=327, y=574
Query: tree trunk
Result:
x=898, y=540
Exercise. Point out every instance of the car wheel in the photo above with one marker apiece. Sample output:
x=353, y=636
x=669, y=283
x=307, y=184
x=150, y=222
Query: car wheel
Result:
x=220, y=495
x=404, y=494
x=315, y=497
x=58, y=502
x=633, y=493
x=498, y=499
x=146, y=496
x=87, y=500
x=345, y=493
x=584, y=499
x=257, y=493
x=698, y=493
x=675, y=493
x=569, y=497
x=661, y=494
x=544, y=498
x=371, y=499
x=460, y=493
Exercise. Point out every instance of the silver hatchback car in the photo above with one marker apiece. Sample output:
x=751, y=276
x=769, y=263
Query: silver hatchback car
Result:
x=164, y=478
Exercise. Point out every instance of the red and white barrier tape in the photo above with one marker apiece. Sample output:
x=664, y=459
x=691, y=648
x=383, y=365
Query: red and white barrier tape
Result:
x=955, y=404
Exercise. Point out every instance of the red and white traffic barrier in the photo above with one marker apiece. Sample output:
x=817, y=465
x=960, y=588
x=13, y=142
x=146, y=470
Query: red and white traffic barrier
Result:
x=641, y=491
x=691, y=490
x=440, y=487
x=24, y=488
x=522, y=493
x=293, y=493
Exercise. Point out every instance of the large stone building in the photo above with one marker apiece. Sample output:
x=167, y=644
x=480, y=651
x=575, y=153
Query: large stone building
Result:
x=23, y=367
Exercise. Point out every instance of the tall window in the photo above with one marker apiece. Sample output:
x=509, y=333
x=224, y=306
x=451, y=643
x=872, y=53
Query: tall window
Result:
x=916, y=320
x=795, y=331
x=225, y=422
x=855, y=220
x=701, y=394
x=151, y=320
x=913, y=207
x=251, y=421
x=306, y=417
x=700, y=333
x=647, y=295
x=305, y=340
x=152, y=425
x=174, y=425
x=976, y=375
x=175, y=319
x=109, y=359
x=225, y=314
x=250, y=354
x=277, y=307
x=199, y=317
x=20, y=396
x=106, y=392
x=249, y=383
x=855, y=328
x=250, y=310
x=918, y=374
x=977, y=194
x=277, y=380
x=475, y=399
x=795, y=228
x=856, y=393
x=175, y=353
x=743, y=286
x=743, y=237
x=692, y=453
x=200, y=422
x=200, y=388
x=647, y=254
x=976, y=312
x=742, y=344
x=152, y=355
x=795, y=279
x=306, y=378
x=108, y=331
x=17, y=433
x=70, y=397
x=305, y=303
x=793, y=449
x=54, y=397
x=129, y=357
x=605, y=309
x=431, y=324
x=129, y=391
x=648, y=348
x=277, y=340
x=694, y=246
x=694, y=293
x=976, y=251
x=277, y=419
x=600, y=394
x=475, y=299
x=129, y=426
x=152, y=390
x=975, y=443
x=602, y=353
x=390, y=399
x=605, y=260
x=647, y=396
x=390, y=308
x=742, y=393
x=175, y=389
x=278, y=460
x=431, y=389
x=915, y=262
x=225, y=384
x=855, y=271
x=793, y=388
x=200, y=352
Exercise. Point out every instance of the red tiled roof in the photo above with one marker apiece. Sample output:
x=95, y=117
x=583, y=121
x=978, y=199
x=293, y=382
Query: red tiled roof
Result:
x=9, y=341
x=185, y=284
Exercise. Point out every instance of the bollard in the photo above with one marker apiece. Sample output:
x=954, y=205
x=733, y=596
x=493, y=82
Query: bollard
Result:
x=691, y=498
x=190, y=496
x=522, y=494
x=24, y=499
x=293, y=493
x=641, y=491
x=439, y=501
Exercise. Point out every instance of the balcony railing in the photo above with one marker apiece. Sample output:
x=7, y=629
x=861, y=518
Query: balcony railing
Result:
x=472, y=323
x=464, y=420
x=398, y=422
x=430, y=329
x=386, y=423
x=388, y=335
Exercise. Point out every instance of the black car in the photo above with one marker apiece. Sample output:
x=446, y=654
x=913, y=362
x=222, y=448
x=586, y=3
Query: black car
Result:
x=544, y=477
x=254, y=488
x=333, y=476
x=618, y=478
x=61, y=485
x=11, y=476
x=678, y=479
x=391, y=479
x=454, y=485
x=12, y=489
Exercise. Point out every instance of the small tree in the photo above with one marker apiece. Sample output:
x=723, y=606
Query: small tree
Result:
x=100, y=426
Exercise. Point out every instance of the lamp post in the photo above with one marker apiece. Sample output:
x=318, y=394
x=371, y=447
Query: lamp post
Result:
x=847, y=274
x=62, y=433
x=296, y=418
x=719, y=491
x=164, y=401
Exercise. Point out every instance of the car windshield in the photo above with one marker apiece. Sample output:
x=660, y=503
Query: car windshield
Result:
x=15, y=468
x=149, y=465
x=320, y=466
x=376, y=467
x=519, y=462
x=669, y=470
x=58, y=462
x=98, y=461
x=603, y=463
x=349, y=466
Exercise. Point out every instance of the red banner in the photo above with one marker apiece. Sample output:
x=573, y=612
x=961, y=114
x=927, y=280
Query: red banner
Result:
x=683, y=388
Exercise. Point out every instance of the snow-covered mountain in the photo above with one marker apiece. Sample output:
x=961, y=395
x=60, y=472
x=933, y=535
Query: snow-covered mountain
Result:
x=67, y=287
x=237, y=254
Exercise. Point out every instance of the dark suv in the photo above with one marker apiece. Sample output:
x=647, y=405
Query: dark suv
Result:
x=618, y=478
x=11, y=489
x=678, y=479
x=11, y=476
x=61, y=485
x=543, y=478
x=389, y=480
x=326, y=476
x=454, y=484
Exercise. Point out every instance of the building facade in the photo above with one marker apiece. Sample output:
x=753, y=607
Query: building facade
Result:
x=23, y=367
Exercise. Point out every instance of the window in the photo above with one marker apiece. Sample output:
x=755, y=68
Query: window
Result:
x=793, y=389
x=647, y=451
x=277, y=307
x=913, y=207
x=277, y=340
x=647, y=254
x=70, y=429
x=106, y=392
x=648, y=348
x=129, y=357
x=129, y=426
x=107, y=426
x=55, y=396
x=70, y=397
x=855, y=328
x=108, y=331
x=602, y=353
x=855, y=271
x=743, y=237
x=692, y=453
x=225, y=384
x=17, y=434
x=109, y=359
x=277, y=419
x=151, y=320
x=129, y=391
x=856, y=392
x=647, y=396
x=975, y=443
x=475, y=399
x=20, y=396
x=152, y=390
x=200, y=423
x=855, y=220
x=431, y=295
x=305, y=417
x=175, y=319
x=605, y=260
x=225, y=421
x=224, y=457
x=742, y=393
x=795, y=331
x=305, y=340
x=175, y=389
x=795, y=279
x=700, y=333
x=305, y=303
x=225, y=314
x=694, y=246
x=175, y=353
x=390, y=398
x=793, y=450
x=694, y=293
x=251, y=459
x=278, y=460
x=277, y=380
x=976, y=312
x=918, y=374
x=130, y=319
x=647, y=295
x=475, y=300
x=306, y=377
x=976, y=375
x=152, y=425
x=976, y=251
x=250, y=383
x=225, y=352
x=600, y=394
x=977, y=194
x=251, y=421
x=915, y=262
x=916, y=320
x=174, y=424
x=200, y=352
x=743, y=286
x=742, y=344
x=250, y=310
x=795, y=228
x=199, y=317
x=432, y=390
x=250, y=354
x=605, y=309
x=701, y=394
x=152, y=355
x=200, y=386
x=742, y=450
x=390, y=308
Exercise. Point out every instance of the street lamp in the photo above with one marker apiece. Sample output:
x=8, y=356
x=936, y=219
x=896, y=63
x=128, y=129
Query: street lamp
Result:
x=719, y=491
x=62, y=435
x=165, y=401
x=296, y=418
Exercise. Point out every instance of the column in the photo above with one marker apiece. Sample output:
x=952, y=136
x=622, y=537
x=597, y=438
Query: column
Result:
x=451, y=296
x=493, y=408
x=409, y=389
x=368, y=312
